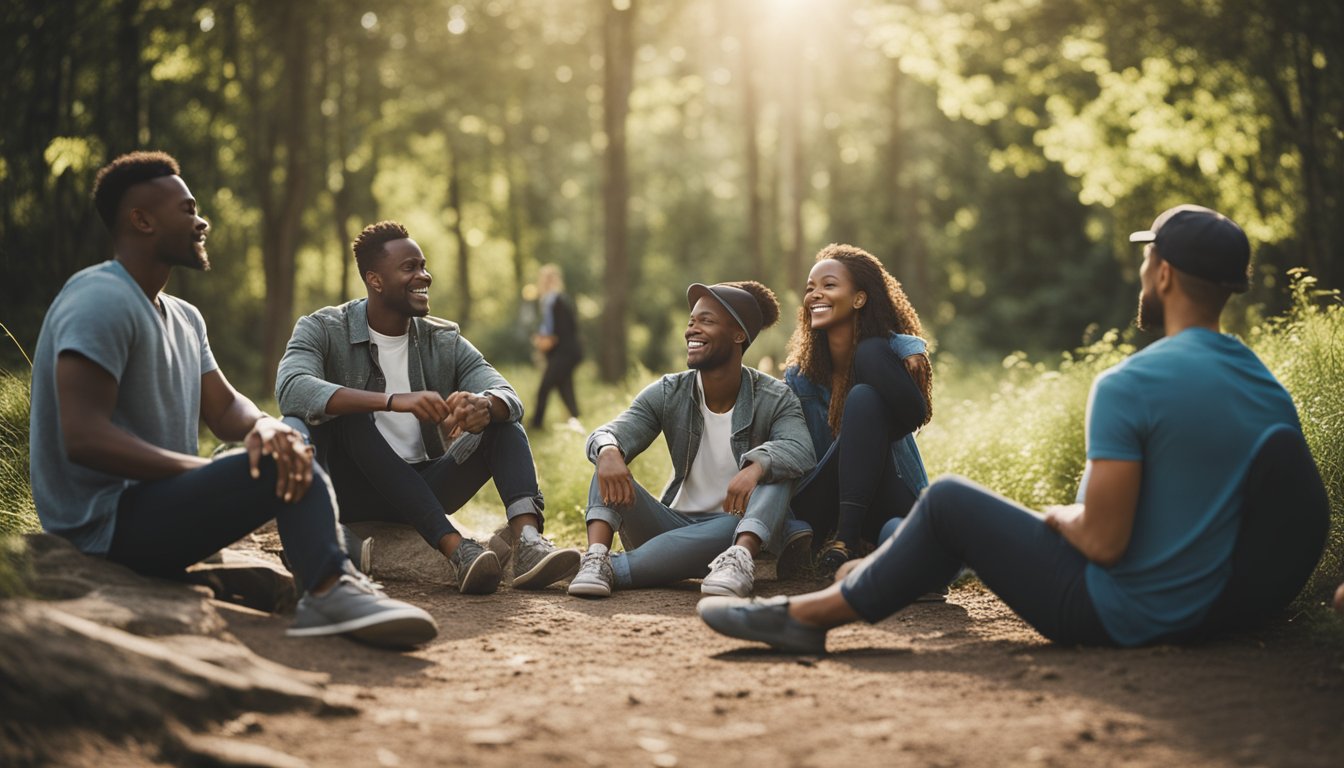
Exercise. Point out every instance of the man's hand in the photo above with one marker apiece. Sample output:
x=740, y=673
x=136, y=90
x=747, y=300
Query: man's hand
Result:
x=293, y=457
x=1339, y=599
x=425, y=406
x=614, y=479
x=467, y=412
x=544, y=343
x=740, y=488
x=1058, y=517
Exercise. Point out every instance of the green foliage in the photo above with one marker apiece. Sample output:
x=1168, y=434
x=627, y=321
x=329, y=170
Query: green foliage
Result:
x=17, y=514
x=1305, y=350
x=1017, y=429
x=14, y=566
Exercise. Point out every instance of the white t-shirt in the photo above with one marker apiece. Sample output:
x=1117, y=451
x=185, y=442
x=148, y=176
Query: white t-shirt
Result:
x=706, y=484
x=400, y=430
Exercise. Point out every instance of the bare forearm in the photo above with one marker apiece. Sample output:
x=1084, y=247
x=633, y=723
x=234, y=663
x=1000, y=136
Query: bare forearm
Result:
x=113, y=451
x=1073, y=524
x=237, y=420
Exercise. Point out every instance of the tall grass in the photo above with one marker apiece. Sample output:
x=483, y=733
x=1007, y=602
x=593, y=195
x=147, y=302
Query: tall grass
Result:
x=1020, y=429
x=17, y=514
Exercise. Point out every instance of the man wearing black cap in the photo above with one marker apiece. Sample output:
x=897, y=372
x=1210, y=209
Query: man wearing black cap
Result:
x=737, y=440
x=1200, y=508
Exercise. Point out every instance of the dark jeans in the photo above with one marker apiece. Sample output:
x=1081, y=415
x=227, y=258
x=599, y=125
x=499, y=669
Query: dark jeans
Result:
x=165, y=525
x=1030, y=567
x=855, y=487
x=559, y=375
x=373, y=483
x=818, y=501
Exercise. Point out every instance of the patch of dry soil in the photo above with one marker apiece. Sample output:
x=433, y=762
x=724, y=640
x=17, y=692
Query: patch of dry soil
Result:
x=521, y=678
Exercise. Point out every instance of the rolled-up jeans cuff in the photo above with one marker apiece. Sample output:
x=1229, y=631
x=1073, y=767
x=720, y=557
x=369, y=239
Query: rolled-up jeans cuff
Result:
x=757, y=527
x=620, y=568
x=526, y=506
x=605, y=514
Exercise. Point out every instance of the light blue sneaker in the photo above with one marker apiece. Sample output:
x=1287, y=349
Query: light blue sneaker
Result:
x=766, y=621
x=356, y=607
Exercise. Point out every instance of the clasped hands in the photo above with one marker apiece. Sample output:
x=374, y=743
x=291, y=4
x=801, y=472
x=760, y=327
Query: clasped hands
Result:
x=457, y=413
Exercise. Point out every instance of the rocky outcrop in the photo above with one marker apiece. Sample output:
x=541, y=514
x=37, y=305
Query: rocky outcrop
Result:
x=105, y=655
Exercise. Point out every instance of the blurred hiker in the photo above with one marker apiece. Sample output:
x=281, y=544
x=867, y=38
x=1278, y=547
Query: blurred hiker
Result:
x=123, y=377
x=1201, y=509
x=557, y=338
x=737, y=441
x=410, y=420
x=862, y=374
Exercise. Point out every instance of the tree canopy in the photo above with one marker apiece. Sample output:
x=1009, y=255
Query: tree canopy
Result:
x=993, y=154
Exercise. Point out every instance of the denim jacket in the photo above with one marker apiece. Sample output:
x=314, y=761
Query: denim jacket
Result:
x=768, y=427
x=330, y=349
x=816, y=403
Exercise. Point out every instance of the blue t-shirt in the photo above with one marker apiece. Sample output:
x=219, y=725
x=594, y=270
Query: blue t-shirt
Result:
x=1191, y=408
x=157, y=360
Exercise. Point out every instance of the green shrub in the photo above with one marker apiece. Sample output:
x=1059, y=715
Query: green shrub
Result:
x=17, y=514
x=1305, y=350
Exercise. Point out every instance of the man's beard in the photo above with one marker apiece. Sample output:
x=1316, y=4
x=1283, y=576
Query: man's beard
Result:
x=196, y=258
x=1151, y=316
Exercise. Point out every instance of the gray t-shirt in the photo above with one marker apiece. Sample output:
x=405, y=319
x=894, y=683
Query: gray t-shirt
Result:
x=157, y=360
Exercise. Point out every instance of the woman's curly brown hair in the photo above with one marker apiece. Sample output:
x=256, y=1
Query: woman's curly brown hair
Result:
x=887, y=311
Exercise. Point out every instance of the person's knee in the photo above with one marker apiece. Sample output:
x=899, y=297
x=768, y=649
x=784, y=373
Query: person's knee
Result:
x=947, y=495
x=863, y=402
x=873, y=358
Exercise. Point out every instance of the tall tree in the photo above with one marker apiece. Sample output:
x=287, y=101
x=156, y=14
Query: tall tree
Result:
x=618, y=49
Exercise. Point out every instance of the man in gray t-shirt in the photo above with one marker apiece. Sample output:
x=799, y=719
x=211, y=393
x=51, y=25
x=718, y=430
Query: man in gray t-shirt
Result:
x=122, y=377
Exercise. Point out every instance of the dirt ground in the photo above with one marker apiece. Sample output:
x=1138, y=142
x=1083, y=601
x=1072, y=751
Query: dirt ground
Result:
x=522, y=679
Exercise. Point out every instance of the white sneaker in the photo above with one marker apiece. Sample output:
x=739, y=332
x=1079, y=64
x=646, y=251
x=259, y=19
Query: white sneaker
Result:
x=732, y=574
x=595, y=577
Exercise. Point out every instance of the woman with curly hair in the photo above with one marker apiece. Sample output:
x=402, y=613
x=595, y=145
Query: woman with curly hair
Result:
x=861, y=371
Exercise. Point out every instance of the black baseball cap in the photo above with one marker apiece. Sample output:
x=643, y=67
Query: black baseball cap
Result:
x=739, y=303
x=1203, y=243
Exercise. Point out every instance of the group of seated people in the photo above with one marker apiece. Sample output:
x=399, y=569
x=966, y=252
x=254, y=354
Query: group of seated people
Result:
x=1200, y=508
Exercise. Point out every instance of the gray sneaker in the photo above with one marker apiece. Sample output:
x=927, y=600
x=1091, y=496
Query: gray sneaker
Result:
x=538, y=563
x=765, y=620
x=357, y=607
x=595, y=577
x=733, y=573
x=475, y=568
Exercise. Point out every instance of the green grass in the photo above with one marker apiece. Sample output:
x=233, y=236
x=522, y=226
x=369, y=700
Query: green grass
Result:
x=17, y=514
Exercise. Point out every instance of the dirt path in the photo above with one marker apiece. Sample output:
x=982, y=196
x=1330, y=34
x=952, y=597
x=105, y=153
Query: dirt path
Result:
x=524, y=679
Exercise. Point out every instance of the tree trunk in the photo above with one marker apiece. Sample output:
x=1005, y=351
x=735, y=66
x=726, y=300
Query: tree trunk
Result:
x=463, y=287
x=618, y=73
x=907, y=255
x=750, y=119
x=281, y=222
x=797, y=183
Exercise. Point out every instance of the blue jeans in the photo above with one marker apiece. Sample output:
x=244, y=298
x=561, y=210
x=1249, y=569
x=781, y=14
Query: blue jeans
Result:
x=373, y=483
x=664, y=545
x=1030, y=567
x=165, y=525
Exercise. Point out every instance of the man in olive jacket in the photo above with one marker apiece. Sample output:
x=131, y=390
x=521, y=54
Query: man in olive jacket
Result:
x=410, y=420
x=737, y=439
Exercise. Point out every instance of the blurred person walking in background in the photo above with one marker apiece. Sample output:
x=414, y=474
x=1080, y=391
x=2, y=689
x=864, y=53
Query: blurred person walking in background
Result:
x=558, y=339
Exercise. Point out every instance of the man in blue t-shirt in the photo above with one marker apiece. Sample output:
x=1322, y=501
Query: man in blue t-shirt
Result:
x=123, y=375
x=1144, y=555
